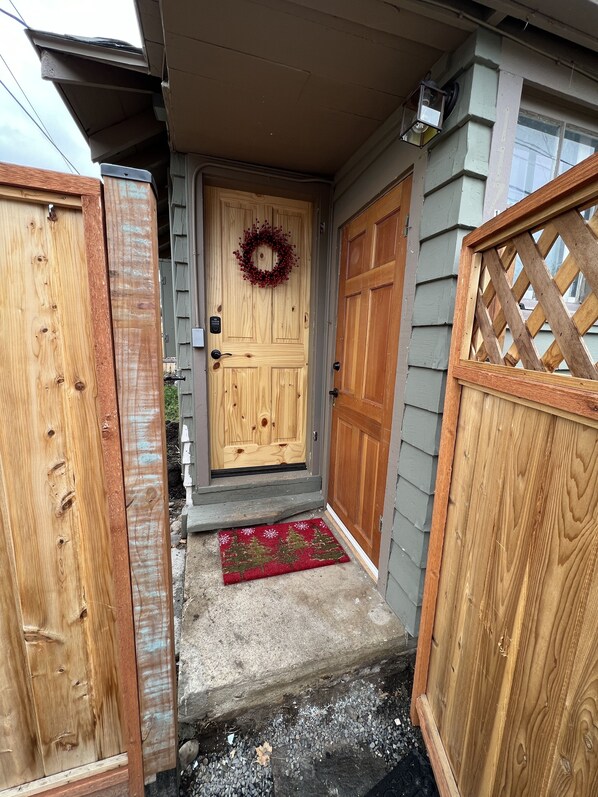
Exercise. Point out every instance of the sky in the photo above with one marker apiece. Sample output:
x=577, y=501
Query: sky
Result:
x=20, y=141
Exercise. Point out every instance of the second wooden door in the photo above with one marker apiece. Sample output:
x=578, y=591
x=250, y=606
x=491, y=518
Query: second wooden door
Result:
x=369, y=320
x=258, y=388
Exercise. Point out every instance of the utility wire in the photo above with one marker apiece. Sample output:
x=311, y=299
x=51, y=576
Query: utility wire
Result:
x=36, y=123
x=12, y=16
x=24, y=93
x=18, y=13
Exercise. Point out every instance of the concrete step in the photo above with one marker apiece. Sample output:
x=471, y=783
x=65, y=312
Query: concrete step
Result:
x=250, y=512
x=244, y=647
x=242, y=488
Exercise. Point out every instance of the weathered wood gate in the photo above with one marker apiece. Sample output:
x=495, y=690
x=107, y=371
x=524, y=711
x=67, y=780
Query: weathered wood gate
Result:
x=87, y=669
x=506, y=683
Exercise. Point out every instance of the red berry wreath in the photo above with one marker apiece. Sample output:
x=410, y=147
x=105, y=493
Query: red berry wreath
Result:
x=265, y=234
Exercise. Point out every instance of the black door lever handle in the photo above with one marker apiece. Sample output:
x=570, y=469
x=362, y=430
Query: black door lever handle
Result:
x=216, y=354
x=333, y=392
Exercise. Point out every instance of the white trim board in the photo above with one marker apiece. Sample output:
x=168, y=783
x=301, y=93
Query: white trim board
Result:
x=360, y=554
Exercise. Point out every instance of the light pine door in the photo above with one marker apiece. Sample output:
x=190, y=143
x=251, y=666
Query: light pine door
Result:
x=369, y=319
x=258, y=388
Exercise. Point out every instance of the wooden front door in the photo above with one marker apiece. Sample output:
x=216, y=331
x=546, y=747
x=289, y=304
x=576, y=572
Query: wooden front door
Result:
x=369, y=319
x=257, y=389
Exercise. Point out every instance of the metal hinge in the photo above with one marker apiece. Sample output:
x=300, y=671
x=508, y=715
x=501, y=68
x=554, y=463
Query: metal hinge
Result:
x=322, y=227
x=315, y=436
x=406, y=227
x=380, y=525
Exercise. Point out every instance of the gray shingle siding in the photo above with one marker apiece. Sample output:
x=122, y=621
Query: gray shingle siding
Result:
x=453, y=204
x=182, y=295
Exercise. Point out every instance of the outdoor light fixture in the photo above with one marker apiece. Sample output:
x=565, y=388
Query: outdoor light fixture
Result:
x=425, y=110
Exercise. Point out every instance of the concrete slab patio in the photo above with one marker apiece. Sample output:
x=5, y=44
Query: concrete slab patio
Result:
x=246, y=646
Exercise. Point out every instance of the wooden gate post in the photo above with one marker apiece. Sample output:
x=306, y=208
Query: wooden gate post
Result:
x=132, y=243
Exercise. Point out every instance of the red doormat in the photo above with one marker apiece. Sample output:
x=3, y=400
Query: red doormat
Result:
x=262, y=551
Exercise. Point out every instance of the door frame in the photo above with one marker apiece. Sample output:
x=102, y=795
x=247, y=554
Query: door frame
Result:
x=202, y=172
x=341, y=218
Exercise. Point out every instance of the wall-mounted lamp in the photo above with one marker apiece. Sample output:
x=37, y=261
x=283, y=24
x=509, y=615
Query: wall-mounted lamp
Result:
x=425, y=110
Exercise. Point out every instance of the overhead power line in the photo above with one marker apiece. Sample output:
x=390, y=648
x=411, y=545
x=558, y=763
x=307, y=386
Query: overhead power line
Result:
x=12, y=16
x=17, y=12
x=39, y=127
x=23, y=92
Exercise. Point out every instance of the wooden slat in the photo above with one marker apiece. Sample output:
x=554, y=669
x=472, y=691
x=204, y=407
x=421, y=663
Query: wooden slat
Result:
x=525, y=344
x=545, y=243
x=135, y=301
x=444, y=777
x=563, y=328
x=557, y=395
x=558, y=578
x=470, y=306
x=20, y=753
x=52, y=407
x=582, y=243
x=113, y=486
x=43, y=197
x=44, y=180
x=571, y=189
x=490, y=340
x=83, y=781
x=562, y=279
x=584, y=319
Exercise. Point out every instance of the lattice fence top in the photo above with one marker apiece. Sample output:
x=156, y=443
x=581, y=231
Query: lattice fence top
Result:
x=505, y=332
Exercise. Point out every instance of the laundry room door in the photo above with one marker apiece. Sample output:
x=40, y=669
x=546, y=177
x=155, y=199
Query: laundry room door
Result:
x=369, y=319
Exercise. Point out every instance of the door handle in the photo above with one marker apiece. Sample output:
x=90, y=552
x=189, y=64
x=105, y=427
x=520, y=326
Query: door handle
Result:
x=216, y=354
x=333, y=392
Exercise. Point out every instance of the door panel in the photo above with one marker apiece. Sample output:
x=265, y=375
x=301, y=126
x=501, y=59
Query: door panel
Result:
x=369, y=317
x=257, y=394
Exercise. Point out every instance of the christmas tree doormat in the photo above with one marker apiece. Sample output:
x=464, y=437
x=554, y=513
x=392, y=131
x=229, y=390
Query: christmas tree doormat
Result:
x=262, y=551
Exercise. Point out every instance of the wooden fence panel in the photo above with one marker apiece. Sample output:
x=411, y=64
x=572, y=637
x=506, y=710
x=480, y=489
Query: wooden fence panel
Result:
x=506, y=682
x=135, y=297
x=65, y=600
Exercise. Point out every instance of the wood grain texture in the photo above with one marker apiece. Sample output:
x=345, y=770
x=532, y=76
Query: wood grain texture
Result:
x=135, y=302
x=508, y=646
x=443, y=775
x=43, y=180
x=101, y=777
x=93, y=219
x=370, y=294
x=52, y=408
x=258, y=406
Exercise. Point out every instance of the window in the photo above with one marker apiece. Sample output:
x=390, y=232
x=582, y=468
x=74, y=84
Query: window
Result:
x=545, y=148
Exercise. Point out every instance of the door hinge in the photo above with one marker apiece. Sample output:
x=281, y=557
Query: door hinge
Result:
x=314, y=436
x=322, y=227
x=380, y=525
x=406, y=227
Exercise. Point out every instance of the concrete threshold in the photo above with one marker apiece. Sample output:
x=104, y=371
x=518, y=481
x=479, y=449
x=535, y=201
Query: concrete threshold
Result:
x=247, y=646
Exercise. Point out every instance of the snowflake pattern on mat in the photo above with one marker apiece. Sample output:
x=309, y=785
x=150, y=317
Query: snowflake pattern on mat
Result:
x=270, y=533
x=247, y=532
x=224, y=538
x=303, y=526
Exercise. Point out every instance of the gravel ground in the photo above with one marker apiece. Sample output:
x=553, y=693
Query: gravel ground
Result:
x=370, y=715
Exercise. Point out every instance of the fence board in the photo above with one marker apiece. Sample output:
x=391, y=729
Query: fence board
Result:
x=506, y=680
x=135, y=299
x=66, y=590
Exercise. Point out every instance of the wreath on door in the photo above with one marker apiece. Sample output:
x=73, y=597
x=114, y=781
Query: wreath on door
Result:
x=265, y=234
